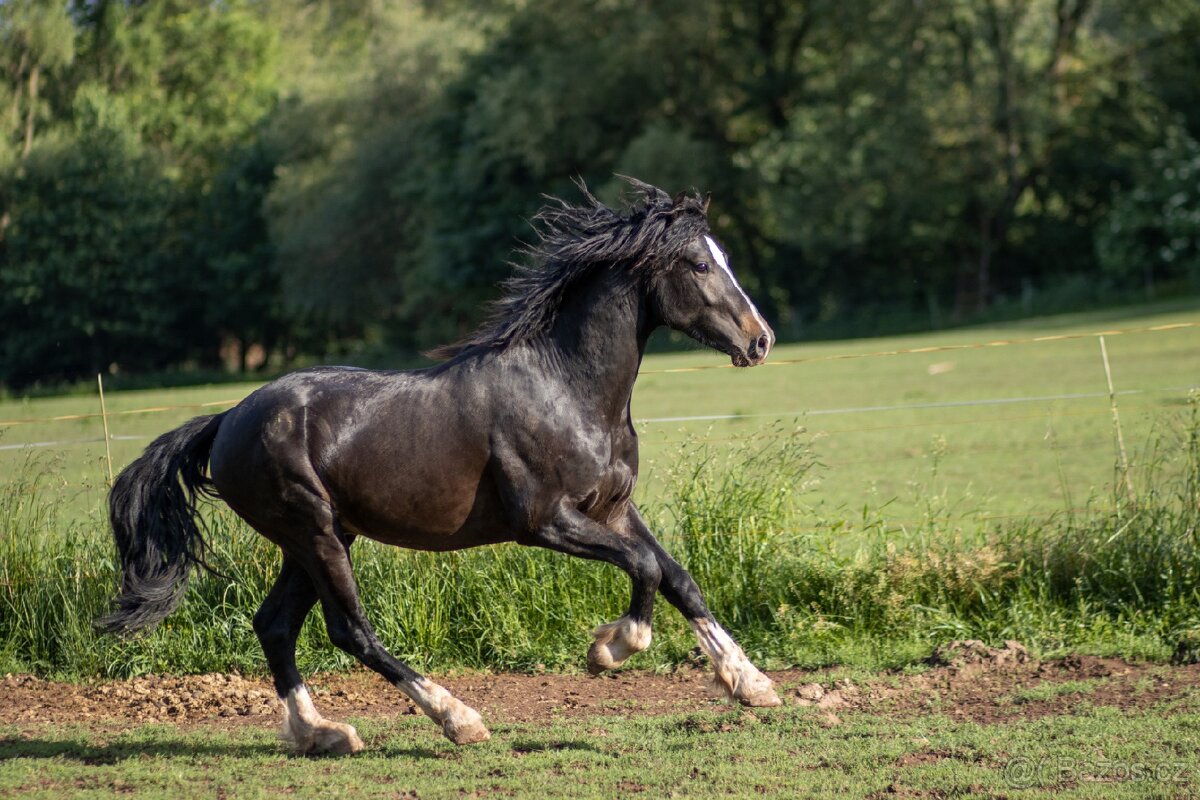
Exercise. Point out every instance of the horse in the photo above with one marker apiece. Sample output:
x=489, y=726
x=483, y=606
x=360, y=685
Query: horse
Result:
x=522, y=434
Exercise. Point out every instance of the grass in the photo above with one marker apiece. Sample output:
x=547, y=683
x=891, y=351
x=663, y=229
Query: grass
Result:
x=858, y=540
x=1116, y=578
x=1048, y=691
x=1093, y=753
x=1028, y=457
x=800, y=579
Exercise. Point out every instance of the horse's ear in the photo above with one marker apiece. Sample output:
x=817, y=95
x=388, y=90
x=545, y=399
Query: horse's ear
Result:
x=679, y=199
x=704, y=205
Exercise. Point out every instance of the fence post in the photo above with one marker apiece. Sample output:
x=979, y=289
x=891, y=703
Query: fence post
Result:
x=104, y=418
x=1123, y=462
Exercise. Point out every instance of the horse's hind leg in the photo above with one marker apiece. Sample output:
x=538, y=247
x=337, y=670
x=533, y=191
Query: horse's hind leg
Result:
x=327, y=561
x=277, y=625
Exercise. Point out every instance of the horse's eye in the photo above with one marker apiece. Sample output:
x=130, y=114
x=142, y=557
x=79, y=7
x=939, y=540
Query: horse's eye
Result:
x=701, y=267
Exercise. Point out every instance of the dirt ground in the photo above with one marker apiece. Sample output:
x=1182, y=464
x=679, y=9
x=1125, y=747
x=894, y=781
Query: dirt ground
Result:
x=966, y=681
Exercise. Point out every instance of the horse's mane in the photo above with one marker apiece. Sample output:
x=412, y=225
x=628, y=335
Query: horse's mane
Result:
x=574, y=240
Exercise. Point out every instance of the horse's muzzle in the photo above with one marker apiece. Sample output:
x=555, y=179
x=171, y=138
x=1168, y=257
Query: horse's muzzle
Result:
x=756, y=350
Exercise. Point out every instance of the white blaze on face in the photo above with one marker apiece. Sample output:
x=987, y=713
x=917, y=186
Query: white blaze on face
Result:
x=723, y=263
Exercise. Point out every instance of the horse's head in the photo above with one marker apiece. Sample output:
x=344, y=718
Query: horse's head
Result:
x=698, y=294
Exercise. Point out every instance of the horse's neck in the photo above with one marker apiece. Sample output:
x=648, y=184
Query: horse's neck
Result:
x=598, y=338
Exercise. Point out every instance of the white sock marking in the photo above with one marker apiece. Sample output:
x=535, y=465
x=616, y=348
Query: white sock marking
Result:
x=461, y=723
x=309, y=732
x=739, y=678
x=299, y=706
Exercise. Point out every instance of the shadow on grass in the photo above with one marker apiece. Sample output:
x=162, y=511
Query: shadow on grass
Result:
x=91, y=754
x=523, y=747
x=85, y=752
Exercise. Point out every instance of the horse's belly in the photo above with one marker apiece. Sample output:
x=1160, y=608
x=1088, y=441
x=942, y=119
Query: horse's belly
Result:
x=448, y=512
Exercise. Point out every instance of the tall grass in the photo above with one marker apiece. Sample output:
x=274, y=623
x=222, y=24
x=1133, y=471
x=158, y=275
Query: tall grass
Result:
x=1120, y=578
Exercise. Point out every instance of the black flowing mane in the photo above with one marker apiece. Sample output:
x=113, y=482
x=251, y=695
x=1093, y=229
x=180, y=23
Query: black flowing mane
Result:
x=574, y=240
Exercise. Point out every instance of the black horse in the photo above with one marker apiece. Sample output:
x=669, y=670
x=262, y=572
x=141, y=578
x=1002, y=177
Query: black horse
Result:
x=523, y=434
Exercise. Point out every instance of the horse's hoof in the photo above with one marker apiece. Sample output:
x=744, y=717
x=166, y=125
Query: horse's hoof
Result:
x=600, y=658
x=331, y=738
x=615, y=642
x=338, y=740
x=761, y=699
x=463, y=725
x=472, y=734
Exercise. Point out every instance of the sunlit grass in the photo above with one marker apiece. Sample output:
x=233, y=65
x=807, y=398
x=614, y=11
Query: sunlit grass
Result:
x=1119, y=577
x=1011, y=459
x=783, y=753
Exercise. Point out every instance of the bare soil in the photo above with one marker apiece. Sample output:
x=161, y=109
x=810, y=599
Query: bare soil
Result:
x=982, y=685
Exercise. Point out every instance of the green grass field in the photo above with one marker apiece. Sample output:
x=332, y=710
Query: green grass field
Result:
x=1023, y=456
x=919, y=525
x=1088, y=752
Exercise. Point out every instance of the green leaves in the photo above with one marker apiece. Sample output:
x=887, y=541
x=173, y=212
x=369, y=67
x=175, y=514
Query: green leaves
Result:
x=81, y=280
x=1152, y=234
x=331, y=175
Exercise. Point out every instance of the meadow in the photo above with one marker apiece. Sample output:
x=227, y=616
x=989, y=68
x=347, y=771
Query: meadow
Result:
x=1089, y=752
x=994, y=432
x=852, y=514
x=853, y=537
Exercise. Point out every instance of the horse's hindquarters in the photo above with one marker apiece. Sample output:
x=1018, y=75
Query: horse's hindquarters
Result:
x=392, y=455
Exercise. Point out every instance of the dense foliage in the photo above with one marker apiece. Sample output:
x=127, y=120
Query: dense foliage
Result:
x=186, y=182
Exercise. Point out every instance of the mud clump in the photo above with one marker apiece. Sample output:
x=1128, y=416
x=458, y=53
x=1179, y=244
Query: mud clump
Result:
x=840, y=694
x=150, y=698
x=972, y=654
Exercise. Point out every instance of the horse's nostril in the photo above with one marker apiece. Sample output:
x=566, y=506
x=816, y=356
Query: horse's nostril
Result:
x=763, y=343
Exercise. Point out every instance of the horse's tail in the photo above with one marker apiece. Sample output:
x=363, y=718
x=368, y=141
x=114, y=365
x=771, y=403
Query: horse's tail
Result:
x=152, y=509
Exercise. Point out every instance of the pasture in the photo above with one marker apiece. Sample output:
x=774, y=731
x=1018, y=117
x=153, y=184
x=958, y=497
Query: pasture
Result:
x=1031, y=732
x=999, y=432
x=852, y=515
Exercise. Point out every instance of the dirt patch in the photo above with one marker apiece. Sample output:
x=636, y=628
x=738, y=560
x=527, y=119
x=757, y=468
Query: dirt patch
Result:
x=232, y=699
x=985, y=686
x=24, y=698
x=1008, y=690
x=974, y=656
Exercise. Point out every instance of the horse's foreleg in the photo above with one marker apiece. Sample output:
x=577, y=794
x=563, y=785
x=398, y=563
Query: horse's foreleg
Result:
x=277, y=625
x=329, y=565
x=734, y=673
x=573, y=533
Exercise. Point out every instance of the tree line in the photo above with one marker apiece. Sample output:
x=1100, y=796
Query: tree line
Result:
x=190, y=183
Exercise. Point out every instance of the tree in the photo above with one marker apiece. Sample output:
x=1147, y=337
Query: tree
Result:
x=1152, y=233
x=237, y=280
x=197, y=78
x=82, y=280
x=36, y=38
x=352, y=135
